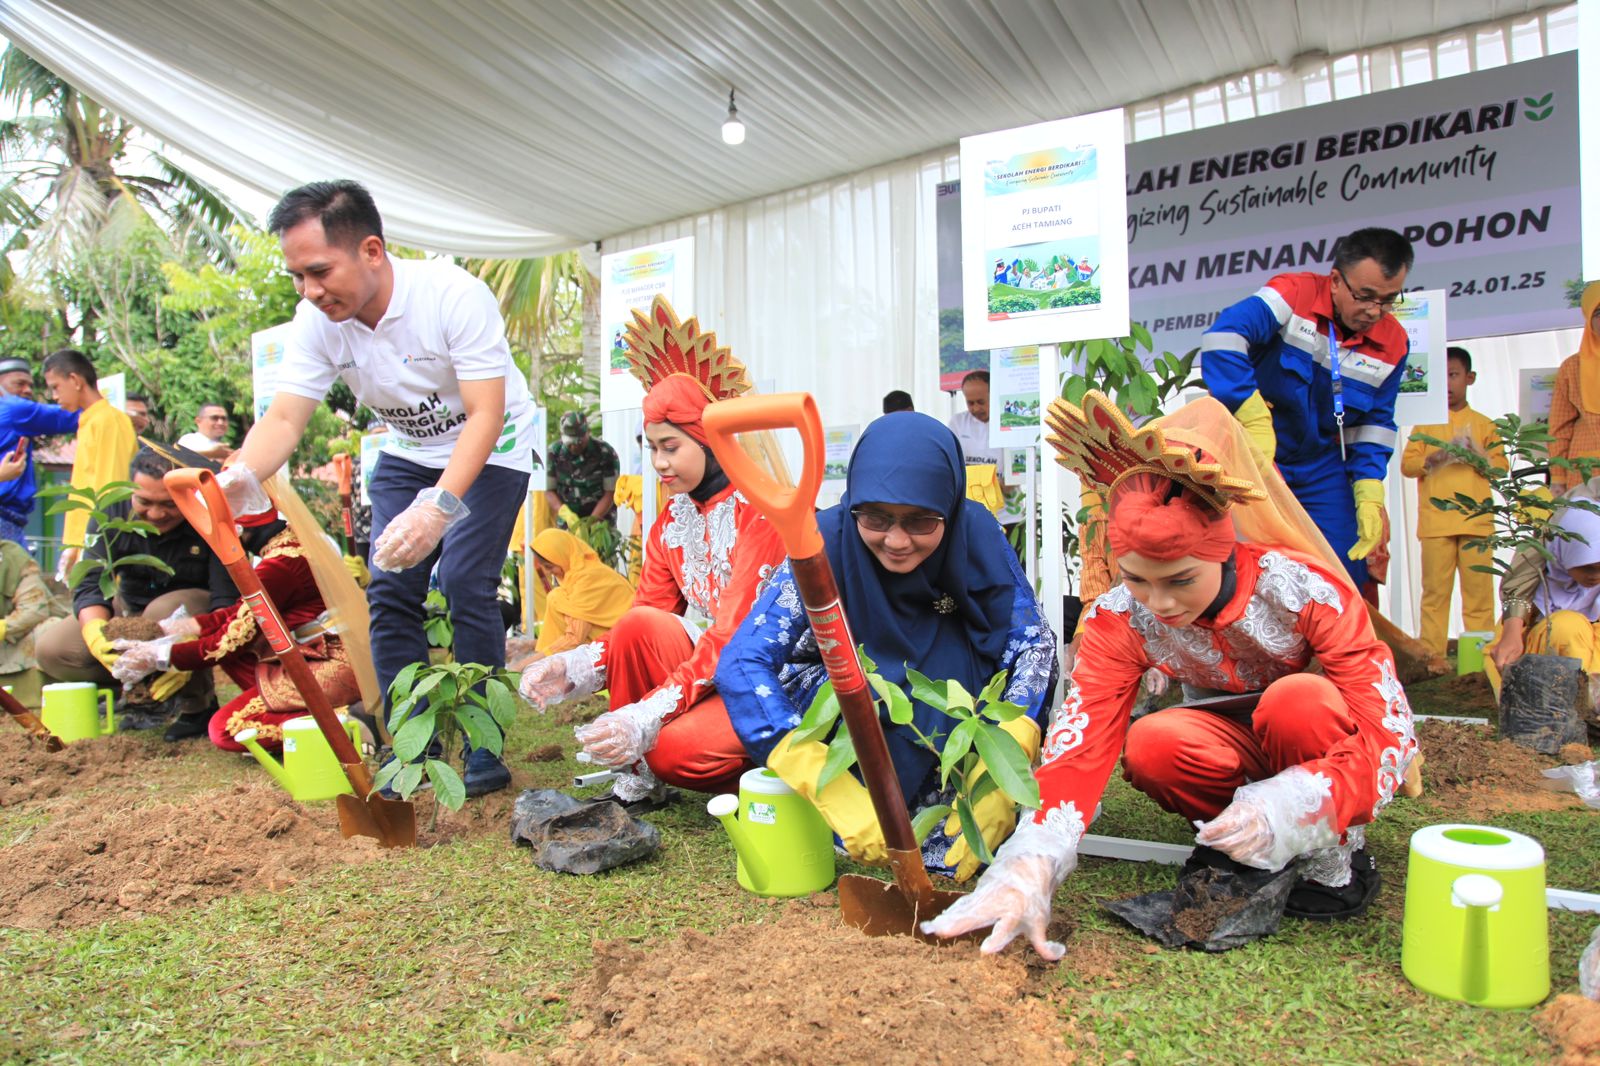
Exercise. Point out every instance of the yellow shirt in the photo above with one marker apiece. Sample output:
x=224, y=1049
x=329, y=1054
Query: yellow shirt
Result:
x=106, y=445
x=1447, y=479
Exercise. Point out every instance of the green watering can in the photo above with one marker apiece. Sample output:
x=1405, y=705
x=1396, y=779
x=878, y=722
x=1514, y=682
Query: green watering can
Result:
x=1476, y=928
x=310, y=771
x=784, y=846
x=71, y=710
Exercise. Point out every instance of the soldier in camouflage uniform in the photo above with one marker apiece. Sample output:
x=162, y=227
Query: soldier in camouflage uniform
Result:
x=583, y=474
x=25, y=603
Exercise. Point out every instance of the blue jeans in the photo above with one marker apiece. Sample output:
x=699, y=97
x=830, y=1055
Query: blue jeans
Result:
x=1323, y=488
x=469, y=558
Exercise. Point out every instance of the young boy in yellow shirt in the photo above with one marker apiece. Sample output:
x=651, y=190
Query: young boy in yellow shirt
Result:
x=1444, y=534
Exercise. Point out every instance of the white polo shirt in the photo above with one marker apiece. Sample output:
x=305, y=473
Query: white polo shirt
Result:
x=442, y=327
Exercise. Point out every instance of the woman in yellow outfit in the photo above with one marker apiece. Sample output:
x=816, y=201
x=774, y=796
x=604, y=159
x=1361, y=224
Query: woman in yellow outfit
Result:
x=1569, y=596
x=1575, y=400
x=585, y=597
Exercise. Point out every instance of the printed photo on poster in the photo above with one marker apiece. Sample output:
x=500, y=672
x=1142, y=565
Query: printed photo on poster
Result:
x=1014, y=397
x=628, y=282
x=838, y=443
x=266, y=354
x=1424, y=395
x=1534, y=389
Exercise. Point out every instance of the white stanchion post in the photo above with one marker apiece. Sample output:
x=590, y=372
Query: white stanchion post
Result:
x=1051, y=563
x=1030, y=511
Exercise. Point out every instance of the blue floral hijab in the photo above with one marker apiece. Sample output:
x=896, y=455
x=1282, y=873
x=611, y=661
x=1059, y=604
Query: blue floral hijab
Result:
x=950, y=617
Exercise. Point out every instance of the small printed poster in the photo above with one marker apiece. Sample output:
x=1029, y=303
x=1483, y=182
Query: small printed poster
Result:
x=1044, y=246
x=114, y=387
x=266, y=355
x=838, y=443
x=1534, y=389
x=372, y=443
x=1424, y=398
x=1014, y=397
x=628, y=282
x=541, y=446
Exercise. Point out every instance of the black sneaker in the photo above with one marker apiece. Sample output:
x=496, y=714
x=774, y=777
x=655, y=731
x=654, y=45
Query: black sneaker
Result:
x=139, y=716
x=486, y=773
x=1325, y=903
x=187, y=727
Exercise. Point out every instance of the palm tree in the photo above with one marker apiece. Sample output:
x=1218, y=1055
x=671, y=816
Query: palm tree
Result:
x=66, y=161
x=542, y=300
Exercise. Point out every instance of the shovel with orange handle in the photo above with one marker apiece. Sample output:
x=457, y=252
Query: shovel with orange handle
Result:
x=393, y=823
x=876, y=907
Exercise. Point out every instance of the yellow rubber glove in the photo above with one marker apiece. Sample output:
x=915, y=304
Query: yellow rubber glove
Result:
x=997, y=812
x=2, y=630
x=1369, y=517
x=357, y=567
x=167, y=685
x=99, y=645
x=1256, y=418
x=844, y=804
x=568, y=517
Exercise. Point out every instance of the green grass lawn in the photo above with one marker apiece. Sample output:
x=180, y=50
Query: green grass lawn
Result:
x=453, y=952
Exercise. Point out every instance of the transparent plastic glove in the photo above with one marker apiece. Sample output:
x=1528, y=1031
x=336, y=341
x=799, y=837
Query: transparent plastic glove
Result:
x=167, y=685
x=1271, y=822
x=1014, y=894
x=566, y=675
x=1589, y=967
x=243, y=490
x=180, y=623
x=1582, y=780
x=415, y=532
x=621, y=737
x=1368, y=493
x=1256, y=418
x=99, y=645
x=996, y=812
x=138, y=659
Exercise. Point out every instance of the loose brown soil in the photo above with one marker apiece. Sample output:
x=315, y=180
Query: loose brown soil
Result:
x=548, y=753
x=805, y=988
x=134, y=628
x=1574, y=754
x=28, y=772
x=1199, y=922
x=1464, y=696
x=1469, y=772
x=1572, y=1023
x=112, y=859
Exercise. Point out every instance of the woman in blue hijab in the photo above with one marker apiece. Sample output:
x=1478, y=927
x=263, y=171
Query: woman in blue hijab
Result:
x=928, y=582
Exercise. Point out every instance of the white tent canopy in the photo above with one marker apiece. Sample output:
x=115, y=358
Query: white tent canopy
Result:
x=511, y=129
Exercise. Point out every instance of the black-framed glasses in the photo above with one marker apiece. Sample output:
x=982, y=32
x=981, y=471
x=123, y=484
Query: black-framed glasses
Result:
x=1372, y=299
x=917, y=525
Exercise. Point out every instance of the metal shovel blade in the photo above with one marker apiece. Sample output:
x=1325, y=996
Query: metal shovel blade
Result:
x=880, y=908
x=392, y=823
x=30, y=722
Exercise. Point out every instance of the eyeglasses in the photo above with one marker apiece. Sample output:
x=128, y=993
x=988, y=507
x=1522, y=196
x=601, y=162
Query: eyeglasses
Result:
x=917, y=525
x=1371, y=299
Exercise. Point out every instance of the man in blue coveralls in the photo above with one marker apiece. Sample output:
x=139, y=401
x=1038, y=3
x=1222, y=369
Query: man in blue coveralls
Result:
x=1310, y=365
x=20, y=417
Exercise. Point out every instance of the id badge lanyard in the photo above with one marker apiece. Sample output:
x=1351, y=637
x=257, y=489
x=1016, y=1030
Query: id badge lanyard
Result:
x=1338, y=389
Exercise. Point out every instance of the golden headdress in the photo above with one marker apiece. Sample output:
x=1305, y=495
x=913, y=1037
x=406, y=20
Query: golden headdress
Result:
x=659, y=346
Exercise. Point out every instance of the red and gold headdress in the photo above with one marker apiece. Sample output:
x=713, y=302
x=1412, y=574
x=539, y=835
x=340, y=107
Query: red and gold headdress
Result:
x=659, y=346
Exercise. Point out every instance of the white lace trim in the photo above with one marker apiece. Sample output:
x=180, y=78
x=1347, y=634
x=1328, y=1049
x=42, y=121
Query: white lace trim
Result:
x=706, y=540
x=651, y=712
x=1331, y=866
x=1396, y=758
x=1067, y=725
x=584, y=670
x=634, y=783
x=1297, y=805
x=1052, y=835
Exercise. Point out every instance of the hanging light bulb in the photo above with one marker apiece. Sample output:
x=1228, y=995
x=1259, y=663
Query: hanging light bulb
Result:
x=732, y=128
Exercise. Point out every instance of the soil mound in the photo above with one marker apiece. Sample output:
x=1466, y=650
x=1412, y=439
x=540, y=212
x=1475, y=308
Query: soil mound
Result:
x=1470, y=772
x=1572, y=1023
x=805, y=988
x=28, y=772
x=110, y=859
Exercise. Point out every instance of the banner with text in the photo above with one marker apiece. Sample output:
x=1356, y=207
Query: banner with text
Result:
x=1479, y=170
x=628, y=281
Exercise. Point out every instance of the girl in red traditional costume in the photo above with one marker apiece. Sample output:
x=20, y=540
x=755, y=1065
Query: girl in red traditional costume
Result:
x=229, y=638
x=710, y=549
x=1227, y=587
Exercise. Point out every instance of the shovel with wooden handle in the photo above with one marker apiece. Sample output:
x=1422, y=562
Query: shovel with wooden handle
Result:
x=393, y=823
x=29, y=721
x=876, y=907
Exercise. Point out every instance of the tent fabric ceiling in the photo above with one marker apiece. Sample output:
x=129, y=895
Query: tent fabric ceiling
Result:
x=524, y=127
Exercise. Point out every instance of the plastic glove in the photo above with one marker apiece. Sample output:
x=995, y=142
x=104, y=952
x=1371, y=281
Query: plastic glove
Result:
x=1369, y=517
x=167, y=685
x=243, y=490
x=1581, y=778
x=357, y=568
x=138, y=659
x=566, y=675
x=413, y=534
x=1014, y=894
x=99, y=645
x=621, y=737
x=996, y=813
x=844, y=804
x=1256, y=418
x=1589, y=967
x=568, y=516
x=180, y=624
x=1271, y=822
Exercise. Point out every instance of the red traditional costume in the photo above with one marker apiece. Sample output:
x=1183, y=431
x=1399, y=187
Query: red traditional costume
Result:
x=1293, y=780
x=712, y=554
x=230, y=639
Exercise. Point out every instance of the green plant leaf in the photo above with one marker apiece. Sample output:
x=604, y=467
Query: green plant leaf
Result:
x=115, y=492
x=819, y=717
x=63, y=506
x=1002, y=711
x=447, y=784
x=386, y=774
x=893, y=695
x=927, y=819
x=406, y=781
x=841, y=756
x=144, y=560
x=995, y=689
x=412, y=738
x=1007, y=764
x=108, y=584
x=1141, y=336
x=970, y=832
x=480, y=728
x=927, y=690
x=956, y=747
x=502, y=703
x=957, y=695
x=82, y=569
x=867, y=665
x=400, y=687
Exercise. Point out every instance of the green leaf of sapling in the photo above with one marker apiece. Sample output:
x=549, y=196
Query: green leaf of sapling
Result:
x=1007, y=764
x=447, y=784
x=841, y=756
x=927, y=819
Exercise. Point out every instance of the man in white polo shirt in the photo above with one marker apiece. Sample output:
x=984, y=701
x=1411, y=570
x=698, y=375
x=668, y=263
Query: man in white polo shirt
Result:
x=422, y=344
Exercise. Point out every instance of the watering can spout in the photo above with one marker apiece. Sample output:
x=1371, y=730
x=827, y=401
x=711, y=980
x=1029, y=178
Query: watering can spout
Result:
x=724, y=808
x=247, y=737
